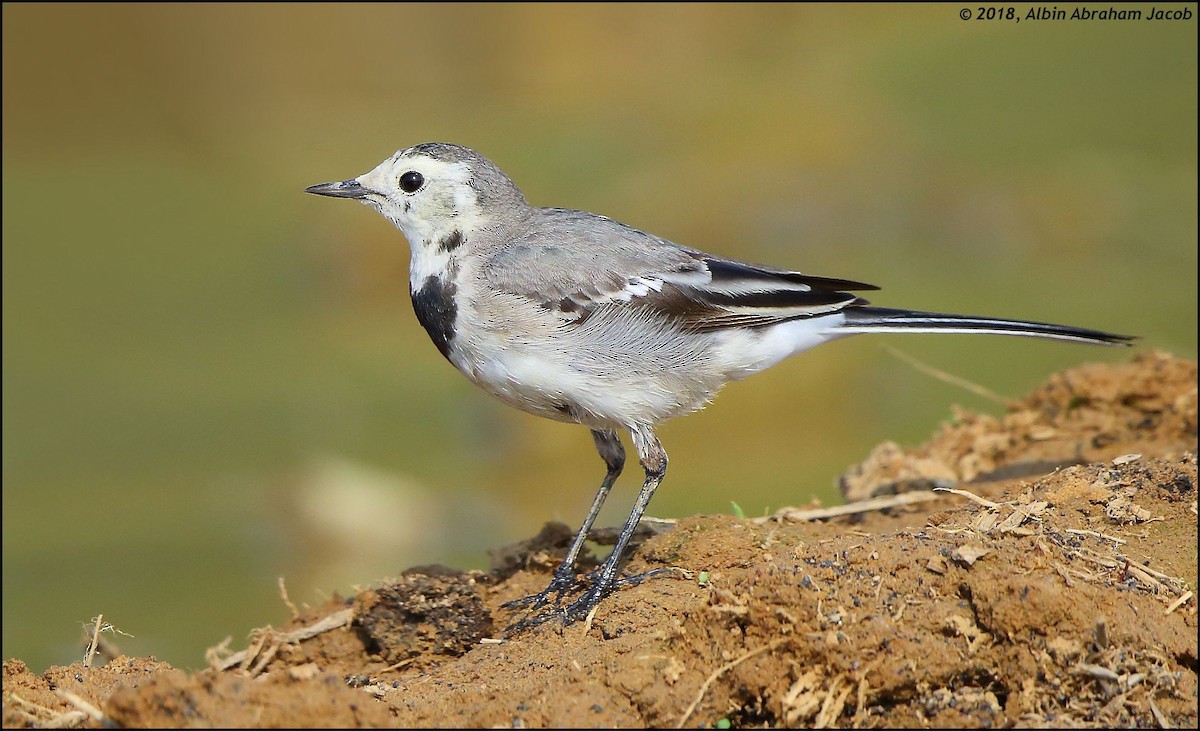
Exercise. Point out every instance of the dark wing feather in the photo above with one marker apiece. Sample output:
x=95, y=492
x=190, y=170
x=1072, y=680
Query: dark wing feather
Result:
x=739, y=294
x=574, y=263
x=728, y=270
x=708, y=294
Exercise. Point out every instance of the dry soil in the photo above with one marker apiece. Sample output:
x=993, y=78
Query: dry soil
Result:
x=1050, y=585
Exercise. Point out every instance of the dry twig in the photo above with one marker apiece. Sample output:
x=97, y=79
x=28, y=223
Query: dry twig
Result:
x=800, y=515
x=87, y=708
x=721, y=671
x=247, y=656
x=1178, y=603
x=970, y=496
x=832, y=708
x=1095, y=533
x=287, y=600
x=97, y=624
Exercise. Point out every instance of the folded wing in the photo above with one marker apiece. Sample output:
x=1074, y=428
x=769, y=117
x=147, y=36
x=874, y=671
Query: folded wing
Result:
x=615, y=266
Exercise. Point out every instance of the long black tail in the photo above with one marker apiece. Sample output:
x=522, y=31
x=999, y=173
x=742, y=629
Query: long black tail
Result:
x=883, y=319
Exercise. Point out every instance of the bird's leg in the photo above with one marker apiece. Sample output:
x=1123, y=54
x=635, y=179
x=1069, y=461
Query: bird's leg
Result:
x=654, y=461
x=613, y=454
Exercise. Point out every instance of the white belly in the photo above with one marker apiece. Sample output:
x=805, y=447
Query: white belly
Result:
x=618, y=368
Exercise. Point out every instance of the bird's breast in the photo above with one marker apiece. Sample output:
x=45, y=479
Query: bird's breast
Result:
x=437, y=310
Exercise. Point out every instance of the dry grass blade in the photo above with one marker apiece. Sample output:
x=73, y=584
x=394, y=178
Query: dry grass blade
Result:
x=1098, y=672
x=1158, y=715
x=247, y=656
x=1178, y=603
x=799, y=515
x=1096, y=534
x=970, y=496
x=87, y=708
x=929, y=370
x=30, y=710
x=97, y=624
x=283, y=594
x=832, y=708
x=721, y=671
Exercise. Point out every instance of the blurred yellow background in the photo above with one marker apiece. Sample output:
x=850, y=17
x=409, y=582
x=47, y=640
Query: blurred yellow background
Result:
x=212, y=379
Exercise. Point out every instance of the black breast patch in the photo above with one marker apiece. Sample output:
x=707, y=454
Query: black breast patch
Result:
x=436, y=311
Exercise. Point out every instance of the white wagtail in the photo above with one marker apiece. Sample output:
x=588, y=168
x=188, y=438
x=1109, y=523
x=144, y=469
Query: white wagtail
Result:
x=578, y=318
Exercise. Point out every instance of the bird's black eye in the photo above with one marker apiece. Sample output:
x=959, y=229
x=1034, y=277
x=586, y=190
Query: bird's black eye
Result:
x=411, y=181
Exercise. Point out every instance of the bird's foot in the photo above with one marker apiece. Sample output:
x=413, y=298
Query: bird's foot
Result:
x=578, y=609
x=563, y=583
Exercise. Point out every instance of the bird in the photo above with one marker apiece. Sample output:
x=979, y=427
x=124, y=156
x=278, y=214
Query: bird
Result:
x=576, y=317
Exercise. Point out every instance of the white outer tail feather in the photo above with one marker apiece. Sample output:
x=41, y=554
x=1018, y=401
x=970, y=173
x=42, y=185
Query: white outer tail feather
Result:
x=883, y=320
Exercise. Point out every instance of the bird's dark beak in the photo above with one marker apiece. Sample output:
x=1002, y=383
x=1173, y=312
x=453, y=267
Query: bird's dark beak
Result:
x=341, y=189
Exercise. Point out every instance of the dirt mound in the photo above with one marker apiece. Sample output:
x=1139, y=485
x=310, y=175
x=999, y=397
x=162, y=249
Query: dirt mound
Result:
x=1088, y=414
x=1015, y=598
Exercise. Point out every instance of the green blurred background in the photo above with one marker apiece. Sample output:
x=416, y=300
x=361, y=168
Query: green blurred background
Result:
x=212, y=379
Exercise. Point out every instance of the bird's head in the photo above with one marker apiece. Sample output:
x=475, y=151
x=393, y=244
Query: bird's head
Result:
x=437, y=194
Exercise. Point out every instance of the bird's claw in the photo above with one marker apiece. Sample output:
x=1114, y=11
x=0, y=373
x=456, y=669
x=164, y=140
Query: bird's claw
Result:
x=578, y=609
